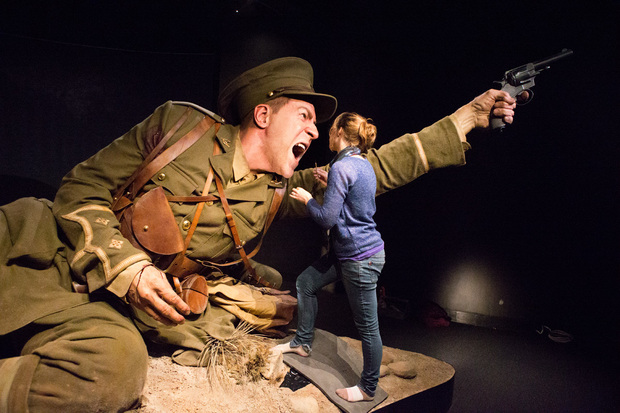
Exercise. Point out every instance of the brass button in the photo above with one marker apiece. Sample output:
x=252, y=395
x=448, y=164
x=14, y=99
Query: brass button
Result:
x=186, y=224
x=209, y=203
x=145, y=228
x=161, y=176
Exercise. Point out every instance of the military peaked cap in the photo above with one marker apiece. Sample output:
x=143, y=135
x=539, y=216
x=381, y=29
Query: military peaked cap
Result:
x=287, y=76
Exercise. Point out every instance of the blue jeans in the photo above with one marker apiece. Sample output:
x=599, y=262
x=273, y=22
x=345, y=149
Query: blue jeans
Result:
x=360, y=282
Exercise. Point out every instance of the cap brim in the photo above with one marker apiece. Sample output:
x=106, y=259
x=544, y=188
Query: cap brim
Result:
x=324, y=105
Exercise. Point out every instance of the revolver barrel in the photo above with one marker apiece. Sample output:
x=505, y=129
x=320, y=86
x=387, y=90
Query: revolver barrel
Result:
x=524, y=73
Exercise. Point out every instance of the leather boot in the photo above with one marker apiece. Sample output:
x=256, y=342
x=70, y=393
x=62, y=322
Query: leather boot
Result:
x=265, y=272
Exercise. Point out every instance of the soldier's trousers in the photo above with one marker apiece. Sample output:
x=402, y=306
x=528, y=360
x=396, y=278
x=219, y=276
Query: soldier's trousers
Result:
x=88, y=358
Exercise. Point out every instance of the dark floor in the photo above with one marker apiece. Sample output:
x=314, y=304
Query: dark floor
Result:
x=501, y=370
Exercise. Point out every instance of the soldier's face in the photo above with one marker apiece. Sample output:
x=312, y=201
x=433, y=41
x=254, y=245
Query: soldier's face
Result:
x=289, y=134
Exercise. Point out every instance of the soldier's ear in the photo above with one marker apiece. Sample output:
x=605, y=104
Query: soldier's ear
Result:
x=262, y=114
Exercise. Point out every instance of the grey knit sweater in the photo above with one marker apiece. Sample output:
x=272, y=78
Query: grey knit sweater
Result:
x=348, y=209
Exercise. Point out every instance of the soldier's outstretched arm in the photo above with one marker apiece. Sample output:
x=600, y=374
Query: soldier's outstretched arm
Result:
x=437, y=146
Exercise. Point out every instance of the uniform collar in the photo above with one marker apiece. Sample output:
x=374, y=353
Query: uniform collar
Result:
x=231, y=164
x=240, y=163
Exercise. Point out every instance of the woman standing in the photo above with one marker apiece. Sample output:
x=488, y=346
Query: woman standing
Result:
x=356, y=249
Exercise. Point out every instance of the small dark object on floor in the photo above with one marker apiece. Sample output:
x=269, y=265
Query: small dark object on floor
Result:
x=294, y=381
x=433, y=315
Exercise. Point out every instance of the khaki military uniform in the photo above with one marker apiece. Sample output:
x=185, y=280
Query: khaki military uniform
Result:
x=41, y=253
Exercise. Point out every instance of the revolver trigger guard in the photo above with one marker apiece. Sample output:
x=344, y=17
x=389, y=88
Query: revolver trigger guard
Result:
x=530, y=96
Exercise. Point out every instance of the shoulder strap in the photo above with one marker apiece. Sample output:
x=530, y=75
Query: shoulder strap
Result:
x=121, y=191
x=200, y=206
x=207, y=112
x=171, y=153
x=153, y=163
x=233, y=229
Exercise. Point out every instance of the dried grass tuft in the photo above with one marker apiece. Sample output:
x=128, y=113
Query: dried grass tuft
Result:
x=236, y=360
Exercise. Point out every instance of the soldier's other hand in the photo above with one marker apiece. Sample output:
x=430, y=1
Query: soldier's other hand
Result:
x=151, y=293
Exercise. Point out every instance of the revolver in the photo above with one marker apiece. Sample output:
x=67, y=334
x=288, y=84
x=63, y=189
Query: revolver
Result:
x=521, y=79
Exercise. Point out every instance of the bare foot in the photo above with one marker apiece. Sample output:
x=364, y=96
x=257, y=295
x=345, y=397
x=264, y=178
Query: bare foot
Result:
x=286, y=348
x=353, y=394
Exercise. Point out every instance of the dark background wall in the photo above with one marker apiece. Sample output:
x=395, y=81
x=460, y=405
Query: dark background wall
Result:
x=527, y=230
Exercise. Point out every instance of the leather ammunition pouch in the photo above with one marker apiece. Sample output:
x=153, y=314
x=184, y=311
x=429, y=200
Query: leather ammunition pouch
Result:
x=149, y=224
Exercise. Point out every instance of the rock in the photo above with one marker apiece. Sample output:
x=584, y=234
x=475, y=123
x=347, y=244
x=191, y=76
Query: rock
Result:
x=388, y=357
x=403, y=369
x=275, y=369
x=304, y=404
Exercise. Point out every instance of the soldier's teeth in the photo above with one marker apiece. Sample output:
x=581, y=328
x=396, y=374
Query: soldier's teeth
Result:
x=299, y=149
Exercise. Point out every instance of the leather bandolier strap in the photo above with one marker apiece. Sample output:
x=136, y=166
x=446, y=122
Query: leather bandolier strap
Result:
x=238, y=243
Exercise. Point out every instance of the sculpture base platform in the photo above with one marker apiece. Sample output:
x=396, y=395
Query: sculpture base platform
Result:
x=336, y=362
x=171, y=387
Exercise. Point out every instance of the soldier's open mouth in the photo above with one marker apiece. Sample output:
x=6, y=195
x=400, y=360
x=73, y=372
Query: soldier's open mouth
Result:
x=298, y=150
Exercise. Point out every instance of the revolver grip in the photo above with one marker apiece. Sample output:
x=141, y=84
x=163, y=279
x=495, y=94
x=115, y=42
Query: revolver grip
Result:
x=513, y=91
x=497, y=123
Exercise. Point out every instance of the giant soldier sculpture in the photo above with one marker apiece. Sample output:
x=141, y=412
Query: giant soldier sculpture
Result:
x=78, y=292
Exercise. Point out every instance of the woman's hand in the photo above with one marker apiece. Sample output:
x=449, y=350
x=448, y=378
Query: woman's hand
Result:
x=301, y=194
x=151, y=292
x=321, y=176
